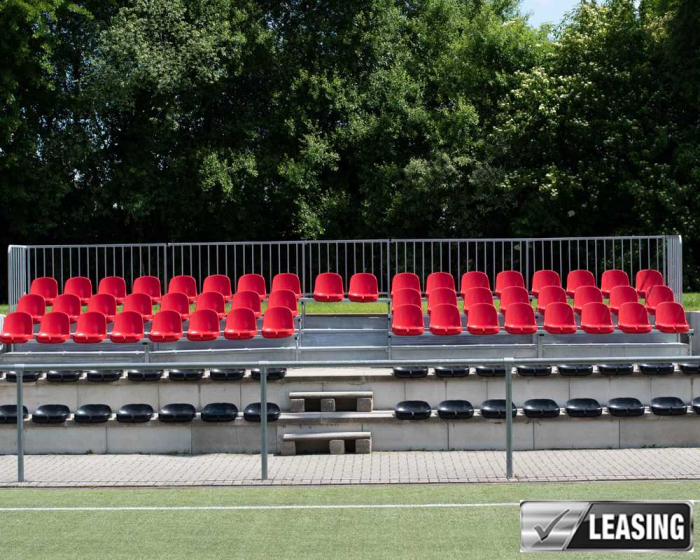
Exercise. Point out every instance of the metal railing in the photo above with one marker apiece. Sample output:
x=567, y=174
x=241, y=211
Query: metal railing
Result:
x=382, y=257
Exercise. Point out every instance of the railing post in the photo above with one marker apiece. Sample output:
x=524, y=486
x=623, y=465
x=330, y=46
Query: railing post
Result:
x=508, y=363
x=20, y=425
x=263, y=423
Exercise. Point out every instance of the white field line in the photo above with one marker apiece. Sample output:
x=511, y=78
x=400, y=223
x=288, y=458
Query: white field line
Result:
x=256, y=508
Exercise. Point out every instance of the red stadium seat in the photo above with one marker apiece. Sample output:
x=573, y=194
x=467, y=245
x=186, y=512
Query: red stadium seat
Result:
x=204, y=325
x=178, y=302
x=656, y=295
x=549, y=294
x=241, y=324
x=620, y=295
x=439, y=280
x=79, y=286
x=278, y=322
x=511, y=295
x=595, y=318
x=633, y=318
x=406, y=296
x=543, y=278
x=439, y=296
x=520, y=319
x=508, y=278
x=91, y=328
x=403, y=281
x=34, y=305
x=474, y=279
x=328, y=287
x=584, y=295
x=577, y=278
x=407, y=320
x=283, y=298
x=445, y=319
x=219, y=283
x=646, y=279
x=105, y=304
x=287, y=281
x=166, y=326
x=247, y=300
x=114, y=286
x=141, y=303
x=45, y=287
x=363, y=287
x=185, y=285
x=612, y=279
x=214, y=301
x=254, y=283
x=559, y=318
x=18, y=328
x=127, y=328
x=476, y=295
x=670, y=318
x=482, y=319
x=54, y=329
x=149, y=285
x=68, y=304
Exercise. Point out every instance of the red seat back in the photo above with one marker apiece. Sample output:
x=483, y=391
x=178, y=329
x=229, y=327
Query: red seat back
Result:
x=18, y=328
x=166, y=326
x=79, y=286
x=406, y=296
x=33, y=304
x=595, y=318
x=204, y=325
x=520, y=319
x=656, y=295
x=477, y=295
x=511, y=295
x=445, y=319
x=647, y=278
x=105, y=304
x=45, y=287
x=54, y=328
x=91, y=328
x=549, y=294
x=283, y=298
x=506, y=279
x=254, y=283
x=241, y=324
x=363, y=287
x=185, y=285
x=611, y=279
x=128, y=327
x=68, y=304
x=404, y=281
x=141, y=303
x=633, y=318
x=178, y=302
x=212, y=300
x=559, y=318
x=149, y=285
x=328, y=287
x=287, y=281
x=670, y=318
x=218, y=283
x=584, y=295
x=577, y=278
x=620, y=295
x=114, y=286
x=407, y=320
x=439, y=296
x=474, y=279
x=278, y=322
x=482, y=319
x=439, y=280
x=543, y=278
x=247, y=300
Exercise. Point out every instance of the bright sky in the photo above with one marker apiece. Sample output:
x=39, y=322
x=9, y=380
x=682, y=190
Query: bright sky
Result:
x=543, y=11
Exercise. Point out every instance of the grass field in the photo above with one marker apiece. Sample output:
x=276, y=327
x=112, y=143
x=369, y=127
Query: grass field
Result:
x=339, y=533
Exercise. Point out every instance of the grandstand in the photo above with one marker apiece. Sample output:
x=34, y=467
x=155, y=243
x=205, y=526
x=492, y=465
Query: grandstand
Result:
x=161, y=348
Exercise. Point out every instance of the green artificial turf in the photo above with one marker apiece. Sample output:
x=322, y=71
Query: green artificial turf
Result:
x=426, y=533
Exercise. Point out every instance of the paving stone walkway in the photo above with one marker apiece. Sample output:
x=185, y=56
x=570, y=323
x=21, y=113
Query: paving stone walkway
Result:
x=377, y=468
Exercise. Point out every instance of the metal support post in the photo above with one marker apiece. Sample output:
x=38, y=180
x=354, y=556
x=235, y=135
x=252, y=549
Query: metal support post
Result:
x=508, y=362
x=20, y=425
x=263, y=423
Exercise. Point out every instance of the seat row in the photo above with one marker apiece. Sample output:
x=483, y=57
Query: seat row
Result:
x=546, y=408
x=559, y=318
x=112, y=375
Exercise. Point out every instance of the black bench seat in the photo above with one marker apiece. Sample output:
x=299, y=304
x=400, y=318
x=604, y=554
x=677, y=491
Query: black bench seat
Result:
x=135, y=413
x=412, y=410
x=668, y=406
x=177, y=412
x=455, y=410
x=51, y=414
x=252, y=412
x=233, y=374
x=8, y=413
x=147, y=375
x=496, y=409
x=92, y=414
x=410, y=372
x=583, y=408
x=452, y=371
x=541, y=408
x=219, y=412
x=574, y=370
x=625, y=406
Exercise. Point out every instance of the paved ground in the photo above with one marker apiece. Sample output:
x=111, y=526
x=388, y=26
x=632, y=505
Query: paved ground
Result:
x=377, y=468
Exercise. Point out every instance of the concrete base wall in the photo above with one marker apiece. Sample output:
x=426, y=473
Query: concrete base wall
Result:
x=388, y=434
